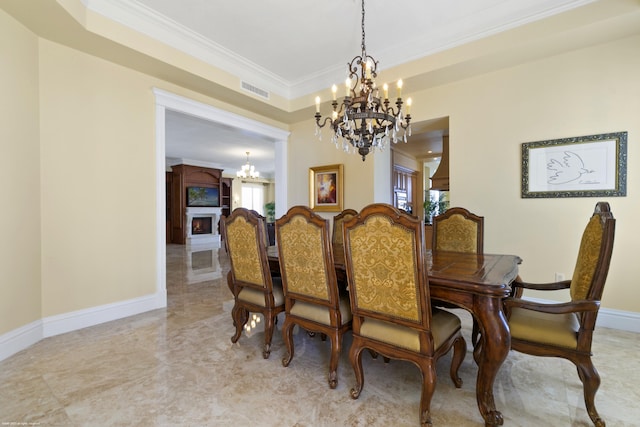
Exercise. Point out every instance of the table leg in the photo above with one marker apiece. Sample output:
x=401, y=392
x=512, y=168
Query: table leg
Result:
x=494, y=347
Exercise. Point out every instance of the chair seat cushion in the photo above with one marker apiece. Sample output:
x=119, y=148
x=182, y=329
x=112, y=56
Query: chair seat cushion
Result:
x=547, y=328
x=320, y=313
x=443, y=325
x=256, y=296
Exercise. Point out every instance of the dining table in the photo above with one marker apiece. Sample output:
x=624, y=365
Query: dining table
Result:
x=477, y=283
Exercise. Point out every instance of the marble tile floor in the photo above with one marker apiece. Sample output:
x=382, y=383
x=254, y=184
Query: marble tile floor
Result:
x=177, y=367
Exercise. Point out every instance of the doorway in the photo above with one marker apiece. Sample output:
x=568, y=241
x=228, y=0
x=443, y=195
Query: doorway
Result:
x=169, y=101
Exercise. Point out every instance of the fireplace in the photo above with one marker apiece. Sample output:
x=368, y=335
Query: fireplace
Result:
x=201, y=225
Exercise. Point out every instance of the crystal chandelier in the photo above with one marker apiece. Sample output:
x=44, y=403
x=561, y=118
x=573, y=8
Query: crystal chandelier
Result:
x=364, y=120
x=248, y=170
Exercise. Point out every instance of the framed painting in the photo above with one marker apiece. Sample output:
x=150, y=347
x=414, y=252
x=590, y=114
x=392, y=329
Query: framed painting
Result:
x=326, y=189
x=584, y=166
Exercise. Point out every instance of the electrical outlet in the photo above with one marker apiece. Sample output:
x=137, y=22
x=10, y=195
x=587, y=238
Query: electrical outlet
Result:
x=559, y=277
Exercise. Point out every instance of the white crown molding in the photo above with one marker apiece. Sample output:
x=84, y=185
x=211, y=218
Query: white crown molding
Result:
x=145, y=20
x=496, y=19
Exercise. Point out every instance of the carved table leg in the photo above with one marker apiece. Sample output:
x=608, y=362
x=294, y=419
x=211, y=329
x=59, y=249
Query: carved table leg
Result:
x=494, y=347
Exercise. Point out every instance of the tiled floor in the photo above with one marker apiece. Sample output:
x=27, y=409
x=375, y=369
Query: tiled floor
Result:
x=177, y=367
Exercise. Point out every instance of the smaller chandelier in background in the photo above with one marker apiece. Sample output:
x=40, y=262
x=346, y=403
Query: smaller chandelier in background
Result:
x=248, y=170
x=364, y=120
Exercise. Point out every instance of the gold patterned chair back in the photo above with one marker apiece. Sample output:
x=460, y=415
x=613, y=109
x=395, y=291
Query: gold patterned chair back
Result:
x=312, y=299
x=306, y=263
x=458, y=230
x=594, y=256
x=390, y=304
x=338, y=220
x=385, y=266
x=247, y=253
x=566, y=330
x=249, y=279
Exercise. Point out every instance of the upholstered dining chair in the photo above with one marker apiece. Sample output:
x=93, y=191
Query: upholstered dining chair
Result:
x=338, y=220
x=459, y=230
x=264, y=221
x=223, y=234
x=312, y=300
x=253, y=287
x=390, y=302
x=566, y=329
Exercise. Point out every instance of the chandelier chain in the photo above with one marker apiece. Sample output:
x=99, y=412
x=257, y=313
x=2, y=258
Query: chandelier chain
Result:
x=364, y=48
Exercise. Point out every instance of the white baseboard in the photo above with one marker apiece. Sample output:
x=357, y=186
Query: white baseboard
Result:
x=19, y=339
x=25, y=336
x=618, y=319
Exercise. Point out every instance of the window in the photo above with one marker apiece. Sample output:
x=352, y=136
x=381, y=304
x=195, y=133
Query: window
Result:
x=253, y=197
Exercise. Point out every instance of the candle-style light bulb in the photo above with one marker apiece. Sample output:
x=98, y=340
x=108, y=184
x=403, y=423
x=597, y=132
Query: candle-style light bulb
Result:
x=408, y=106
x=317, y=104
x=385, y=89
x=347, y=86
x=334, y=90
x=400, y=88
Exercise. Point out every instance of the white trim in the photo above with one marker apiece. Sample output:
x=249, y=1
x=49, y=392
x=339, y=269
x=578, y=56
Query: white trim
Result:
x=19, y=339
x=148, y=21
x=608, y=317
x=490, y=21
x=161, y=221
x=74, y=320
x=166, y=100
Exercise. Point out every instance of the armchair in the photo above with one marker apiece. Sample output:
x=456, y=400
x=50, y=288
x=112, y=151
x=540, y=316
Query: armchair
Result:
x=566, y=329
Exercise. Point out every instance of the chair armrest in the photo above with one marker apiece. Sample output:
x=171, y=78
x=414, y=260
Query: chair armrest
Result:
x=580, y=306
x=565, y=284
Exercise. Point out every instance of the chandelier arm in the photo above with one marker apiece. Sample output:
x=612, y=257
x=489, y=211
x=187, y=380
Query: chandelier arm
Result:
x=324, y=122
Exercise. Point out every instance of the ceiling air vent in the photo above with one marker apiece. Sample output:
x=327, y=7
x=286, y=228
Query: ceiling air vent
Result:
x=255, y=90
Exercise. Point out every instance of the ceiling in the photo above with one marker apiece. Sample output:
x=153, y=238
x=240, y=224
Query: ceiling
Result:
x=292, y=50
x=316, y=45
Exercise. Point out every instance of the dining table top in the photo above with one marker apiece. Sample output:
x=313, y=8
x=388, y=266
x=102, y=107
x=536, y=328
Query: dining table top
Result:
x=489, y=273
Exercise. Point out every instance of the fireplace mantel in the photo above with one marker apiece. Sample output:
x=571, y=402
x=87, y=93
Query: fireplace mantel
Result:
x=202, y=239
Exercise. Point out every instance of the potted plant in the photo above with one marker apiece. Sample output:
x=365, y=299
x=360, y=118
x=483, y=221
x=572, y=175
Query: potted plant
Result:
x=433, y=207
x=270, y=211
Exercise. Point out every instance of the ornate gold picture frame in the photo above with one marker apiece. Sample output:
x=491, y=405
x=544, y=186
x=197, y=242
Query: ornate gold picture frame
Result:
x=326, y=191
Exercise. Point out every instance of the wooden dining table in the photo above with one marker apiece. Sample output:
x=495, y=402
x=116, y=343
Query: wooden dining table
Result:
x=477, y=283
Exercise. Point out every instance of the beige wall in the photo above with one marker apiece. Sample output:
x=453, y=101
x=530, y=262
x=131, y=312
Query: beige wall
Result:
x=306, y=151
x=590, y=91
x=81, y=182
x=96, y=152
x=98, y=170
x=20, y=177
